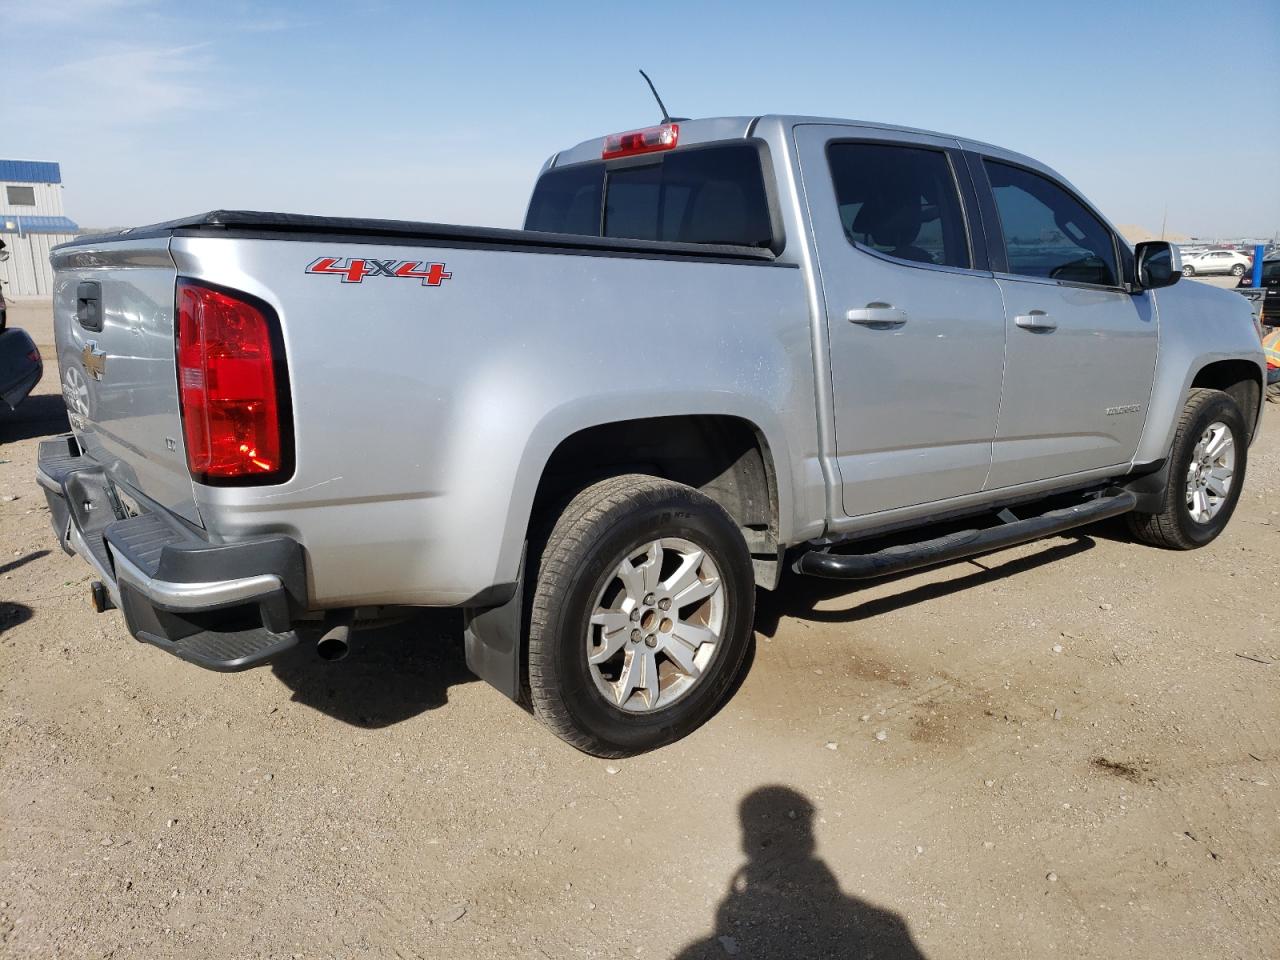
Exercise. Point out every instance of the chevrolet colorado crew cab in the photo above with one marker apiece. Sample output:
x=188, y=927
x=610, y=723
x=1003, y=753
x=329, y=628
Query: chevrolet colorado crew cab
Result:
x=718, y=350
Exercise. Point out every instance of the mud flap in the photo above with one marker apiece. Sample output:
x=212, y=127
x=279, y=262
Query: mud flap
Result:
x=493, y=640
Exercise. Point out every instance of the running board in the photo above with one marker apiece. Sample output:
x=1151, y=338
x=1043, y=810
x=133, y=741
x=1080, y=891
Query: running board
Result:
x=966, y=543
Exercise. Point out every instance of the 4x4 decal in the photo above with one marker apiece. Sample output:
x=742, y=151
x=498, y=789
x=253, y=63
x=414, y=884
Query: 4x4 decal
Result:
x=354, y=270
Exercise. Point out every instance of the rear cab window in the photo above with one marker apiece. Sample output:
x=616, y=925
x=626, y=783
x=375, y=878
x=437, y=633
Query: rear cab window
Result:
x=714, y=194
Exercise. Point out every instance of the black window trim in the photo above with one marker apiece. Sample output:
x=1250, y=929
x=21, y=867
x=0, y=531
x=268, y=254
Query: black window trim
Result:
x=773, y=203
x=995, y=238
x=965, y=192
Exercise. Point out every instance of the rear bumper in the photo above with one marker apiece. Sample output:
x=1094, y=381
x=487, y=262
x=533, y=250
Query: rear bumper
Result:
x=222, y=606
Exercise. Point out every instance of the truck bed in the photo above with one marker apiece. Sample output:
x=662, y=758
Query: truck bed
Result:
x=422, y=414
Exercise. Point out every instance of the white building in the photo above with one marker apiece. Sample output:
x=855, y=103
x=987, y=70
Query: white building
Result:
x=31, y=224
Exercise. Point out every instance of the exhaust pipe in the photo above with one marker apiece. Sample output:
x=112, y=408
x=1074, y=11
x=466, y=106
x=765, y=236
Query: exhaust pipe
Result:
x=335, y=644
x=99, y=598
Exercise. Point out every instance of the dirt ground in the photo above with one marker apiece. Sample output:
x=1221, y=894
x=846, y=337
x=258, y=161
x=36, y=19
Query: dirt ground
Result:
x=1070, y=748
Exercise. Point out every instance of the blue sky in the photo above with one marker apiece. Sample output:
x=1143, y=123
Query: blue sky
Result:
x=443, y=111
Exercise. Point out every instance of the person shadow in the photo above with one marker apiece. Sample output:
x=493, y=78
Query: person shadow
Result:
x=785, y=902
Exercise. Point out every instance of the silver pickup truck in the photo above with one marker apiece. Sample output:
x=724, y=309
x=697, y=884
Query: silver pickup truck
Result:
x=719, y=349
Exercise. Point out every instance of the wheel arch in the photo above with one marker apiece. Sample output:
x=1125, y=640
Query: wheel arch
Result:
x=727, y=457
x=1239, y=379
x=744, y=468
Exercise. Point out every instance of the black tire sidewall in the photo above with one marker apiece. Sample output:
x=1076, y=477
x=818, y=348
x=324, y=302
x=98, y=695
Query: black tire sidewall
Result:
x=1237, y=271
x=1220, y=408
x=673, y=513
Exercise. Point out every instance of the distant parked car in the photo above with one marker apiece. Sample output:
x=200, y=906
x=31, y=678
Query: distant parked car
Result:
x=1216, y=261
x=20, y=363
x=1271, y=281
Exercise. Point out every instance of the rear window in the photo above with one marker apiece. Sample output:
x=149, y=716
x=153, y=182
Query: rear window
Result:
x=696, y=195
x=567, y=200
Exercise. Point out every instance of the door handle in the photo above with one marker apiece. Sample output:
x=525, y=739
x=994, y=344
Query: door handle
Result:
x=89, y=305
x=877, y=314
x=1036, y=320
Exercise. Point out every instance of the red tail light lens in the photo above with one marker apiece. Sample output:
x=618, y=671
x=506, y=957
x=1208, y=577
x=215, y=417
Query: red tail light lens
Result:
x=231, y=387
x=648, y=140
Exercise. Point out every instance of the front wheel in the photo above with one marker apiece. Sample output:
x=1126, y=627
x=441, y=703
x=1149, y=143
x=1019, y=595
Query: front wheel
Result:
x=1206, y=471
x=641, y=617
x=1238, y=270
x=1188, y=271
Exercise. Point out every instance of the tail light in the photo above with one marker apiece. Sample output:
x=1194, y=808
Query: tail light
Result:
x=648, y=140
x=233, y=388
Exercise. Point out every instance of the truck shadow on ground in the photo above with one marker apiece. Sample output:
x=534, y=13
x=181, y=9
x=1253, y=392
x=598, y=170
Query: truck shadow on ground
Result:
x=786, y=902
x=392, y=673
x=799, y=596
x=43, y=415
x=396, y=672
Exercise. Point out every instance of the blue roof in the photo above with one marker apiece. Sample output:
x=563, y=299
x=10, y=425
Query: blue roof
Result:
x=30, y=171
x=12, y=223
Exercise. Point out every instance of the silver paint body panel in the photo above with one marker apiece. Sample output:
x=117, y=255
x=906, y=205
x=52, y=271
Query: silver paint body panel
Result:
x=423, y=416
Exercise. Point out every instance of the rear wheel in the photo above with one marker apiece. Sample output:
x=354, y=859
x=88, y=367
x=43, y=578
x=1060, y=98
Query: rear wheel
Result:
x=1206, y=470
x=1238, y=270
x=641, y=615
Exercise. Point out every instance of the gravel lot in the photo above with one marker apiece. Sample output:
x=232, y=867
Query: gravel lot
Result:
x=1067, y=748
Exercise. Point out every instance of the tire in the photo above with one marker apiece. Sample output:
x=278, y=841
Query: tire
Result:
x=1238, y=270
x=606, y=525
x=1175, y=527
x=1188, y=271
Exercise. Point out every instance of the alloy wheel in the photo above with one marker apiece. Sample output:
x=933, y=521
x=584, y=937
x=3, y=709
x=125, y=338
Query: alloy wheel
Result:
x=657, y=623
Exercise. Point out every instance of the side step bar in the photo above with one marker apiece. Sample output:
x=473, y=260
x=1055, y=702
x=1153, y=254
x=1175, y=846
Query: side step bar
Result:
x=966, y=543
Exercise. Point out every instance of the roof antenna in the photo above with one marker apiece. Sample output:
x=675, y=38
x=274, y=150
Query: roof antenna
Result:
x=666, y=117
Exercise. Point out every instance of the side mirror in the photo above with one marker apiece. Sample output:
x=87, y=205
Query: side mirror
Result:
x=1156, y=264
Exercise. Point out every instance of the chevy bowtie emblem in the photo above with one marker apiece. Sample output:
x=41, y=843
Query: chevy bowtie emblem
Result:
x=95, y=361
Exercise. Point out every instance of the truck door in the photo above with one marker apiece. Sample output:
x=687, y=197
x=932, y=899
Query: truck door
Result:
x=1081, y=350
x=914, y=319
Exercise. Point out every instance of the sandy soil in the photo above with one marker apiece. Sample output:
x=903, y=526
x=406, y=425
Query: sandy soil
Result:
x=1070, y=748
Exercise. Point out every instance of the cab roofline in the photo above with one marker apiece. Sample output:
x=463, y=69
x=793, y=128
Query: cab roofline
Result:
x=707, y=129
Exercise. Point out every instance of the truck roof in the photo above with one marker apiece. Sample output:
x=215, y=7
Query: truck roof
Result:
x=707, y=129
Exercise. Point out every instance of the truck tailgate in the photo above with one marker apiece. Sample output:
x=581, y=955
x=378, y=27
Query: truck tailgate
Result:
x=114, y=330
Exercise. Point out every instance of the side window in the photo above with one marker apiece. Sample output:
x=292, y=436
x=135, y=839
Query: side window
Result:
x=21, y=196
x=1047, y=232
x=900, y=201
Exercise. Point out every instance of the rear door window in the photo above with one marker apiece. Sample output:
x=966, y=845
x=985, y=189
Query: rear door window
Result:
x=713, y=195
x=900, y=201
x=1048, y=232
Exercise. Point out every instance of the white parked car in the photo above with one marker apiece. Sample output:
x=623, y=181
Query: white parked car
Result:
x=1216, y=261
